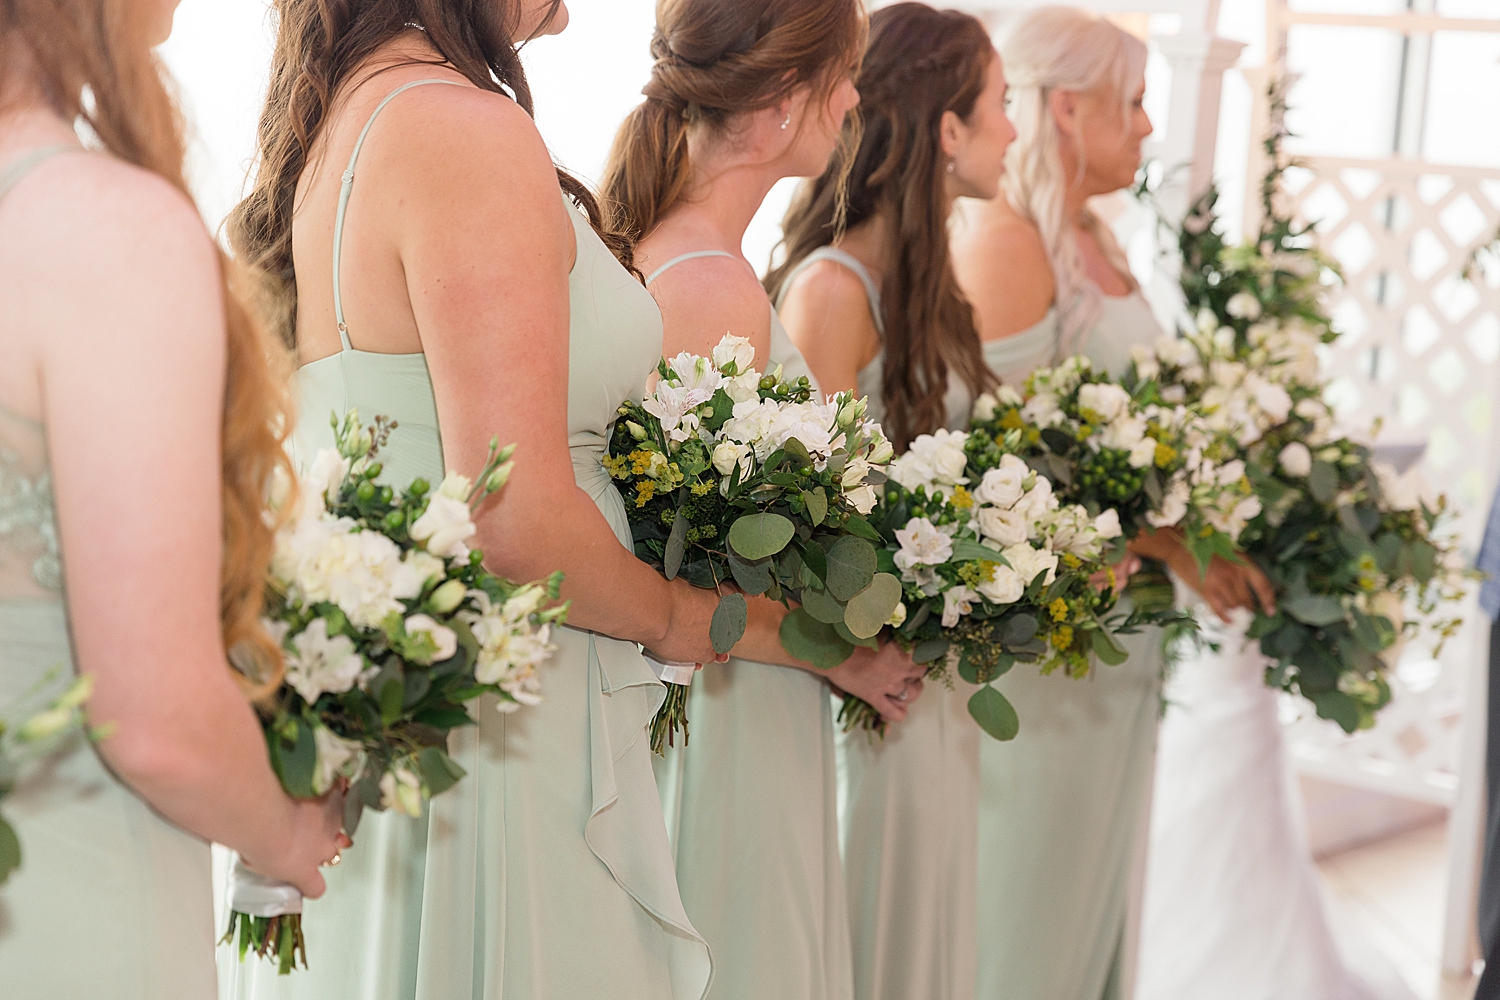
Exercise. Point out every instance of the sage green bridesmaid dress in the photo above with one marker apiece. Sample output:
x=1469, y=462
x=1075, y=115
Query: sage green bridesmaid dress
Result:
x=1062, y=806
x=549, y=872
x=111, y=902
x=908, y=803
x=751, y=803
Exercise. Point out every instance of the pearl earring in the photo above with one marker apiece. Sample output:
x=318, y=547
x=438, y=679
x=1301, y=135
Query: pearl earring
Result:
x=952, y=166
x=787, y=122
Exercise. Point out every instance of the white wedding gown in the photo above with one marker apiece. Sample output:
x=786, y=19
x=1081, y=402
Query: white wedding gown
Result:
x=1234, y=909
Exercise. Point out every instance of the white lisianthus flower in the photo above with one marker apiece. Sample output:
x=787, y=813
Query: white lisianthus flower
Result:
x=863, y=498
x=935, y=461
x=1029, y=563
x=984, y=407
x=1039, y=501
x=1004, y=485
x=1105, y=399
x=1142, y=453
x=1004, y=587
x=401, y=790
x=443, y=637
x=1295, y=459
x=957, y=602
x=728, y=454
x=1107, y=524
x=335, y=755
x=1174, y=505
x=736, y=351
x=922, y=544
x=444, y=527
x=319, y=663
x=1243, y=305
x=1005, y=527
x=881, y=449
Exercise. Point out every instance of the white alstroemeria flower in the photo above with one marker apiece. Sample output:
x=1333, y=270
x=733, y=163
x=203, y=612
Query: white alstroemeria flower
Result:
x=1243, y=305
x=1072, y=530
x=695, y=375
x=336, y=758
x=1005, y=586
x=958, y=601
x=1029, y=563
x=444, y=527
x=1174, y=505
x=319, y=663
x=1142, y=453
x=1105, y=399
x=922, y=544
x=984, y=407
x=1295, y=459
x=670, y=403
x=456, y=486
x=1005, y=527
x=401, y=790
x=1004, y=485
x=443, y=637
x=1107, y=524
x=510, y=647
x=736, y=351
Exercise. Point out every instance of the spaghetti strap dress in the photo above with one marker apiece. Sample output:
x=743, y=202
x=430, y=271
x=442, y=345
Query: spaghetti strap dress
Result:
x=111, y=901
x=751, y=805
x=1063, y=806
x=908, y=803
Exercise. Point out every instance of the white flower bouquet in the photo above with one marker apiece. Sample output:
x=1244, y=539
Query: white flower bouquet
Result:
x=391, y=629
x=734, y=477
x=994, y=570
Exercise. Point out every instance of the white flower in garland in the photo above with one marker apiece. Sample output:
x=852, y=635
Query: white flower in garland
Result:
x=736, y=351
x=934, y=461
x=1029, y=563
x=1004, y=586
x=922, y=544
x=958, y=601
x=336, y=758
x=510, y=647
x=401, y=790
x=319, y=663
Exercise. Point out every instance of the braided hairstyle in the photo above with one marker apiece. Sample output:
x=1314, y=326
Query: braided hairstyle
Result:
x=716, y=60
x=320, y=46
x=920, y=64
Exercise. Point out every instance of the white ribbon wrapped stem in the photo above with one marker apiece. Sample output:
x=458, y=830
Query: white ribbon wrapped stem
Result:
x=672, y=673
x=252, y=893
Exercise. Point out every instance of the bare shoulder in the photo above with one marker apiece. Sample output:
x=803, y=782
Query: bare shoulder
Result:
x=711, y=294
x=1003, y=267
x=830, y=289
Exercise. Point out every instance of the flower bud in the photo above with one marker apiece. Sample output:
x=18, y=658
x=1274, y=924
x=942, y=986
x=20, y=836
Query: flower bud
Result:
x=636, y=430
x=497, y=479
x=447, y=597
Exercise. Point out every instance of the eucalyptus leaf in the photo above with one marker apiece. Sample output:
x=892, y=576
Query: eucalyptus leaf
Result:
x=808, y=639
x=817, y=505
x=930, y=650
x=1315, y=609
x=10, y=850
x=994, y=713
x=857, y=525
x=1019, y=630
x=854, y=640
x=760, y=536
x=392, y=694
x=676, y=546
x=1323, y=482
x=417, y=684
x=822, y=606
x=871, y=608
x=1339, y=707
x=439, y=771
x=1108, y=648
x=815, y=561
x=1059, y=441
x=296, y=763
x=851, y=567
x=753, y=578
x=728, y=625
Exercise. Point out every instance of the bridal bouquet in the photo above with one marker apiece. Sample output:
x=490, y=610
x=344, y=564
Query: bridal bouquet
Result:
x=991, y=576
x=391, y=629
x=32, y=729
x=1348, y=544
x=729, y=475
x=1157, y=465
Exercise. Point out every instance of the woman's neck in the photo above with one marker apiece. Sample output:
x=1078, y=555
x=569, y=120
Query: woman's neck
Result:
x=869, y=243
x=27, y=116
x=723, y=195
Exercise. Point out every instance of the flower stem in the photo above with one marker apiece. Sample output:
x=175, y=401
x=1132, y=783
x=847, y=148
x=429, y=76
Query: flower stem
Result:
x=671, y=717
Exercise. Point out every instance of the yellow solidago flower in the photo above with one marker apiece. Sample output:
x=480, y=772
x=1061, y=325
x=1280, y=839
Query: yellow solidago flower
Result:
x=1012, y=421
x=701, y=488
x=962, y=499
x=644, y=491
x=1071, y=561
x=1062, y=636
x=1165, y=455
x=975, y=573
x=1058, y=609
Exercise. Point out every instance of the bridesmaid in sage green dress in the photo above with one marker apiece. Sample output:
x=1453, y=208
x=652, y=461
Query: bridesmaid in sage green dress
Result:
x=1063, y=806
x=114, y=443
x=443, y=279
x=750, y=800
x=881, y=311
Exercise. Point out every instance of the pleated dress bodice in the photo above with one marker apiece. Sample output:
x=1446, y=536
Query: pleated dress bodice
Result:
x=111, y=901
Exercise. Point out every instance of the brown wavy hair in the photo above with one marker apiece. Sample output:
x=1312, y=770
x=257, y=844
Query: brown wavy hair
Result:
x=919, y=63
x=98, y=46
x=715, y=60
x=320, y=46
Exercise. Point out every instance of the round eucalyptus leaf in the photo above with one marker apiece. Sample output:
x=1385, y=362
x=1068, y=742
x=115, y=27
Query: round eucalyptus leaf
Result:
x=871, y=608
x=994, y=713
x=851, y=567
x=821, y=606
x=728, y=625
x=760, y=536
x=808, y=639
x=676, y=546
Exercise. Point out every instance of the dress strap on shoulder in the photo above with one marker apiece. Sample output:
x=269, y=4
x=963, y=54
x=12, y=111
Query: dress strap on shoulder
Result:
x=695, y=255
x=849, y=262
x=22, y=165
x=347, y=187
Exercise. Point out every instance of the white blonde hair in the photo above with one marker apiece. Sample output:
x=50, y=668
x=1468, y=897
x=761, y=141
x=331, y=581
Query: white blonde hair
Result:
x=1063, y=48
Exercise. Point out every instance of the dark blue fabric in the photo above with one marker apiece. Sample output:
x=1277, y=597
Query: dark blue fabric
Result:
x=1489, y=562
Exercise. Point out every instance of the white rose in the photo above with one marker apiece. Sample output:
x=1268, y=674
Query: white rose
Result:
x=1143, y=453
x=922, y=544
x=456, y=486
x=444, y=527
x=984, y=407
x=1005, y=587
x=443, y=637
x=334, y=757
x=1105, y=399
x=1004, y=485
x=855, y=473
x=1295, y=459
x=863, y=498
x=881, y=449
x=1243, y=305
x=736, y=351
x=401, y=790
x=319, y=663
x=957, y=602
x=1107, y=524
x=1007, y=527
x=935, y=461
x=1009, y=397
x=1030, y=563
x=728, y=454
x=744, y=388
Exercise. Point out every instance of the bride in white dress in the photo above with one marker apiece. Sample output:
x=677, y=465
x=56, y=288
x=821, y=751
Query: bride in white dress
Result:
x=1234, y=909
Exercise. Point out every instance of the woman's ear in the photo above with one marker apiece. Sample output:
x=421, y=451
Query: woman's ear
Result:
x=950, y=133
x=1064, y=107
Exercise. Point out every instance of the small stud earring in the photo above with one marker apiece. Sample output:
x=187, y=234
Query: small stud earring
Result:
x=952, y=166
x=787, y=122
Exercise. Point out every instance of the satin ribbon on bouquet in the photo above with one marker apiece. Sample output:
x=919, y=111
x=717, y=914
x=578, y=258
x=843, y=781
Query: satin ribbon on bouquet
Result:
x=265, y=916
x=674, y=672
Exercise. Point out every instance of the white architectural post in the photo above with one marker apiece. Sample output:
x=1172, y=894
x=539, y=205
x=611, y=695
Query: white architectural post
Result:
x=1198, y=62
